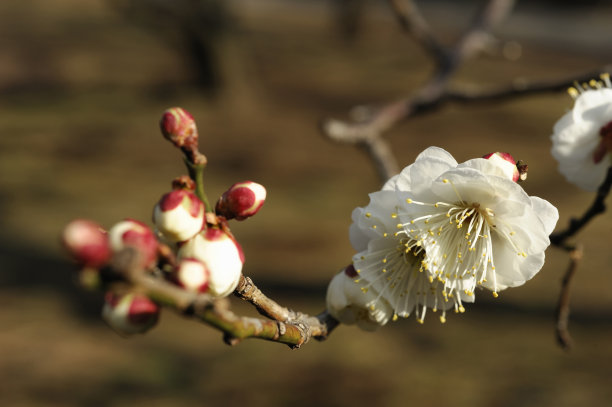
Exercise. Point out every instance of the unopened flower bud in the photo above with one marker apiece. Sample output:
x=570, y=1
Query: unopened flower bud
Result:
x=178, y=126
x=137, y=235
x=506, y=163
x=179, y=215
x=87, y=242
x=192, y=274
x=129, y=313
x=241, y=200
x=221, y=254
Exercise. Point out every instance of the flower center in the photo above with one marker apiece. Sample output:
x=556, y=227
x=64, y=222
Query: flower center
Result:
x=605, y=143
x=457, y=238
x=394, y=268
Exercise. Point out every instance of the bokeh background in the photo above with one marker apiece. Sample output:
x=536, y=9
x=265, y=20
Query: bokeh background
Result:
x=82, y=86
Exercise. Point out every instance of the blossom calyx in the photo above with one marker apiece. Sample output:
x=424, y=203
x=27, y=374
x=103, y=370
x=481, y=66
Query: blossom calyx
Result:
x=192, y=275
x=222, y=255
x=507, y=164
x=178, y=126
x=134, y=234
x=129, y=313
x=179, y=215
x=241, y=200
x=87, y=242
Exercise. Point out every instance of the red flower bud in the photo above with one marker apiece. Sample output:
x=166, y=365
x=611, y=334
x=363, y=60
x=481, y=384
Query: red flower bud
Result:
x=87, y=242
x=178, y=126
x=506, y=163
x=222, y=255
x=241, y=200
x=192, y=274
x=129, y=313
x=179, y=215
x=137, y=235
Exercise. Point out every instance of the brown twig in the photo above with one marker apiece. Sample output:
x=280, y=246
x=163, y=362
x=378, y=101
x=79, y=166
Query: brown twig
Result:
x=368, y=133
x=598, y=206
x=411, y=20
x=288, y=327
x=564, y=338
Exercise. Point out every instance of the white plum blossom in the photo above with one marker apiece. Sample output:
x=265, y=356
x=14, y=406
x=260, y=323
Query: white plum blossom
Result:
x=582, y=138
x=350, y=305
x=439, y=229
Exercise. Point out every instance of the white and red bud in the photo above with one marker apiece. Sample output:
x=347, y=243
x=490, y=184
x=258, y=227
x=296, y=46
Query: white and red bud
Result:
x=241, y=200
x=129, y=313
x=87, y=242
x=137, y=235
x=178, y=126
x=506, y=163
x=192, y=275
x=222, y=255
x=179, y=215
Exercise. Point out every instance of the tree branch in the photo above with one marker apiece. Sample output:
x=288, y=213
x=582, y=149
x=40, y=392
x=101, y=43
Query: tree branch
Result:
x=288, y=327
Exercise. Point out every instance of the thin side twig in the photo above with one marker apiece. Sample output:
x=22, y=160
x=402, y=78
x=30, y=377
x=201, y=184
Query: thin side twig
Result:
x=411, y=20
x=597, y=207
x=564, y=338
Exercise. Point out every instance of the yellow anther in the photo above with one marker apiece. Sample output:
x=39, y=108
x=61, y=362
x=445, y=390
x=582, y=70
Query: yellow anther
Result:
x=436, y=205
x=385, y=234
x=395, y=317
x=445, y=181
x=512, y=233
x=408, y=200
x=420, y=321
x=364, y=289
x=373, y=226
x=357, y=281
x=461, y=309
x=394, y=215
x=573, y=92
x=372, y=307
x=384, y=270
x=442, y=319
x=593, y=83
x=430, y=279
x=495, y=295
x=368, y=214
x=384, y=260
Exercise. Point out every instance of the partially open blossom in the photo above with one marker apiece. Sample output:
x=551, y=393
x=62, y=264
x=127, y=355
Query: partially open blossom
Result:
x=222, y=256
x=349, y=304
x=137, y=235
x=179, y=215
x=440, y=229
x=129, y=313
x=178, y=126
x=582, y=138
x=87, y=242
x=241, y=200
x=506, y=163
x=192, y=274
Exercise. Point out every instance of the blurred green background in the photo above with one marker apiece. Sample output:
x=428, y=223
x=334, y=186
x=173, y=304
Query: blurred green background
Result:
x=82, y=86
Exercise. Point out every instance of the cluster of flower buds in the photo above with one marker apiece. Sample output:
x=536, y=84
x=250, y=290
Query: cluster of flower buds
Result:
x=197, y=251
x=93, y=248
